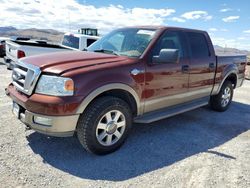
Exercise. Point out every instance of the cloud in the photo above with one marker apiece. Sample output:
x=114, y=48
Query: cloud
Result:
x=231, y=18
x=226, y=10
x=213, y=29
x=224, y=30
x=71, y=14
x=176, y=19
x=247, y=31
x=195, y=15
x=239, y=43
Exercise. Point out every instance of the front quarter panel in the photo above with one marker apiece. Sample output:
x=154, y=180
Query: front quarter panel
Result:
x=92, y=81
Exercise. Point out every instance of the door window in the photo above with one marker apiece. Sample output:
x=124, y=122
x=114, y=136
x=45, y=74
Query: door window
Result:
x=198, y=45
x=170, y=40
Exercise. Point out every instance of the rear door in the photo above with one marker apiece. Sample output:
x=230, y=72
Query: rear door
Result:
x=202, y=64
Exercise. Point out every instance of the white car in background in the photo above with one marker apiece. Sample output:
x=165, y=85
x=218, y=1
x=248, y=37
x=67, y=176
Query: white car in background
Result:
x=19, y=47
x=2, y=46
x=247, y=75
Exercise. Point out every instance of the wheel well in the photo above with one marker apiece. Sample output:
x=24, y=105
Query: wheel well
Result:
x=232, y=78
x=124, y=95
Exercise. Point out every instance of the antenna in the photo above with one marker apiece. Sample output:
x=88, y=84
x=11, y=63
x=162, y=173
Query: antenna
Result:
x=69, y=24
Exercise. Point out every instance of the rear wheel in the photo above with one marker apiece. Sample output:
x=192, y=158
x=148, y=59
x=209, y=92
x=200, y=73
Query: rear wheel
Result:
x=104, y=126
x=222, y=101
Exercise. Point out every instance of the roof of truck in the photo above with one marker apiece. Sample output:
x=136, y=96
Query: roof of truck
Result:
x=164, y=27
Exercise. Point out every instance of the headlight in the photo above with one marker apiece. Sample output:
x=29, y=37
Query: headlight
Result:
x=54, y=85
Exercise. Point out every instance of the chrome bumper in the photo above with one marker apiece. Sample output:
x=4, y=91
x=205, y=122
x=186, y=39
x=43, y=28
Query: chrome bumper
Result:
x=60, y=126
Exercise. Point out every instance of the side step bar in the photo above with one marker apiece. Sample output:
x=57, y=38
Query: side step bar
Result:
x=171, y=111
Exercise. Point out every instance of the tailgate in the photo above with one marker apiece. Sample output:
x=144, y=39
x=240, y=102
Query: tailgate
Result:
x=11, y=50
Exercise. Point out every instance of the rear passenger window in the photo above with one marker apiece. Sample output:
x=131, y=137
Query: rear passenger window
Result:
x=198, y=45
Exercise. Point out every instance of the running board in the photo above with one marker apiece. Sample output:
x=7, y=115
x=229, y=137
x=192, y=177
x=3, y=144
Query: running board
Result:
x=171, y=111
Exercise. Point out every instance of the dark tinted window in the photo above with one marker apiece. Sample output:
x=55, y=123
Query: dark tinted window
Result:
x=71, y=41
x=170, y=40
x=90, y=41
x=198, y=45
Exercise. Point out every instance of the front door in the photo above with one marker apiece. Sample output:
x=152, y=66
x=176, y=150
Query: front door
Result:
x=166, y=83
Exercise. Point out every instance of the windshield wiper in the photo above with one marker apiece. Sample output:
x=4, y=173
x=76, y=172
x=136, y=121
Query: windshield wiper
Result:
x=106, y=51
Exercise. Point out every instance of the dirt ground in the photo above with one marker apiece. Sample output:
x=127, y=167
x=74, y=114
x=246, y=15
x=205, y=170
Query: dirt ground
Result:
x=200, y=148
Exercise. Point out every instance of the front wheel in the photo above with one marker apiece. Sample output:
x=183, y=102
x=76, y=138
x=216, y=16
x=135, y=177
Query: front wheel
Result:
x=104, y=126
x=222, y=101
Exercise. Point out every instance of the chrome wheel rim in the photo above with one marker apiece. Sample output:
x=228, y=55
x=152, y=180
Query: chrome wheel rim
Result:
x=110, y=127
x=226, y=97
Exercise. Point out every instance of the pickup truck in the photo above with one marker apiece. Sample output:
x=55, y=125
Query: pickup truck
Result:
x=133, y=74
x=16, y=49
x=247, y=71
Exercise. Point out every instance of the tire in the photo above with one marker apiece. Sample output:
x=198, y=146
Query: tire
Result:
x=98, y=130
x=223, y=99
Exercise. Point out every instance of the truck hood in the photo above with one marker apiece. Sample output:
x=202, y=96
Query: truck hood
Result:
x=61, y=62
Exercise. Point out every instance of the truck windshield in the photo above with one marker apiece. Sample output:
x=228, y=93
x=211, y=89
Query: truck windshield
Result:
x=130, y=42
x=71, y=41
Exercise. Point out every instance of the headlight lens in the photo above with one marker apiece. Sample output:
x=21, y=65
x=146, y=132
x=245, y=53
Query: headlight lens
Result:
x=54, y=85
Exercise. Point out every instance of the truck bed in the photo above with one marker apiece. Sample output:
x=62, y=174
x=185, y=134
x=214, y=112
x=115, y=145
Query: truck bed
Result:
x=228, y=63
x=38, y=44
x=29, y=48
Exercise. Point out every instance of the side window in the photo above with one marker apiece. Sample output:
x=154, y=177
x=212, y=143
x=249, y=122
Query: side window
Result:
x=170, y=40
x=198, y=45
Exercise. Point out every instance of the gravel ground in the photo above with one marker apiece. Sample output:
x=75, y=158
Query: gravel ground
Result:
x=200, y=148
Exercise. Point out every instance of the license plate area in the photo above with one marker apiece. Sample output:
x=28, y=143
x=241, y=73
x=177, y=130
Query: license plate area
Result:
x=16, y=110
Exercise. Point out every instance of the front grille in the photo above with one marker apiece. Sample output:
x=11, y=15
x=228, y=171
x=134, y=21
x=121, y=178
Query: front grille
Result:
x=25, y=76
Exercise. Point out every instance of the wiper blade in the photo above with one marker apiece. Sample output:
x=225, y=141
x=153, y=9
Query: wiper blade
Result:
x=106, y=51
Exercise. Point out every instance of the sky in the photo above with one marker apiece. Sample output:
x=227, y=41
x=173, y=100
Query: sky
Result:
x=227, y=21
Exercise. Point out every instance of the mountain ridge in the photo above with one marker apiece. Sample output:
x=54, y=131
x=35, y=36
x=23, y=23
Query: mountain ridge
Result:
x=55, y=36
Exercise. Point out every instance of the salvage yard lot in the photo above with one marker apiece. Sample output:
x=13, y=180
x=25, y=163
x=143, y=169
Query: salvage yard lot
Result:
x=200, y=148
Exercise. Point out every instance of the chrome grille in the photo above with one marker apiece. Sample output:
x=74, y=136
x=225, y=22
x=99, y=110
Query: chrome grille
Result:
x=25, y=76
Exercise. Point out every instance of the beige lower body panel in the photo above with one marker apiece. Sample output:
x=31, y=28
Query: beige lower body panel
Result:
x=163, y=102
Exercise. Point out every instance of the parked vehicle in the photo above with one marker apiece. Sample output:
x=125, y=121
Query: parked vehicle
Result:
x=24, y=47
x=78, y=41
x=135, y=74
x=248, y=71
x=2, y=46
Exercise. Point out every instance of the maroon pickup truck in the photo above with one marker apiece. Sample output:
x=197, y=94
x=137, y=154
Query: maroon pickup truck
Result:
x=135, y=74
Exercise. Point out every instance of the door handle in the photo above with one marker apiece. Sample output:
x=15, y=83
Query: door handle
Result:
x=185, y=68
x=211, y=66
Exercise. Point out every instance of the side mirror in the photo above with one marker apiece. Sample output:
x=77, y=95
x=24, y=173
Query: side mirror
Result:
x=167, y=56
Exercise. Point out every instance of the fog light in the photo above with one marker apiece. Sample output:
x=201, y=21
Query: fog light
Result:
x=43, y=120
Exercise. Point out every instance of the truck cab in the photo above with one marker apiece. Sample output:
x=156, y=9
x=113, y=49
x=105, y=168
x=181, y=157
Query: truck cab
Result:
x=78, y=41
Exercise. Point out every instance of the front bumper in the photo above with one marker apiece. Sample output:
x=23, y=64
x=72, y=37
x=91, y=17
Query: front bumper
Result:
x=61, y=126
x=61, y=114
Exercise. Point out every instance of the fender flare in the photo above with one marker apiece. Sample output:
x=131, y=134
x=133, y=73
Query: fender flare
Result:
x=87, y=100
x=225, y=77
